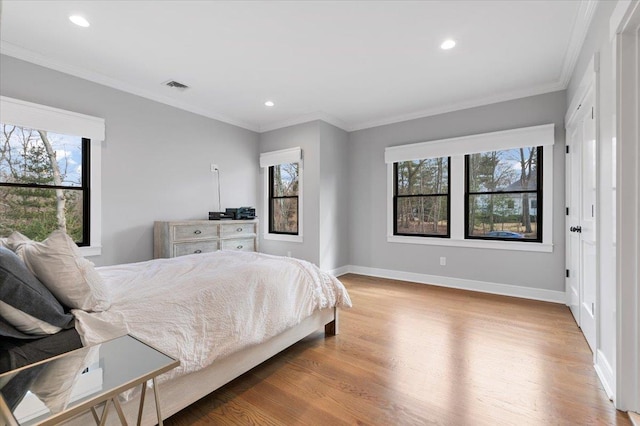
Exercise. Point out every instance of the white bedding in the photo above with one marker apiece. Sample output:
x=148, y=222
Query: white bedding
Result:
x=199, y=308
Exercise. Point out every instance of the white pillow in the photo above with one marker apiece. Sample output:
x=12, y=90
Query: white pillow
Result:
x=59, y=265
x=15, y=240
x=26, y=323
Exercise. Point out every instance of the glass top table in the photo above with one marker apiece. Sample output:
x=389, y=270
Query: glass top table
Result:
x=56, y=389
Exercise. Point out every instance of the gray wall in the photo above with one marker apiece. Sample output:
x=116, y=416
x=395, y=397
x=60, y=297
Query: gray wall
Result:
x=307, y=137
x=368, y=190
x=156, y=167
x=334, y=197
x=155, y=159
x=325, y=193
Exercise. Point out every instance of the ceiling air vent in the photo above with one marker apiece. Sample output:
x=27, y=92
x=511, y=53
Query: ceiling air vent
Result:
x=176, y=85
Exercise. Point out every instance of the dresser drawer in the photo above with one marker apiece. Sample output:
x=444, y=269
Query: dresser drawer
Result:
x=195, y=231
x=239, y=229
x=240, y=244
x=179, y=238
x=181, y=249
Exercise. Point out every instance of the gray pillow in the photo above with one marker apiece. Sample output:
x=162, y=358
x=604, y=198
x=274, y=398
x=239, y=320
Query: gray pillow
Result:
x=8, y=330
x=20, y=289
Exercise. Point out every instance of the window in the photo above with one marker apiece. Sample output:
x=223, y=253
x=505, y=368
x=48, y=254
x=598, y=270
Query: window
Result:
x=421, y=202
x=283, y=199
x=50, y=172
x=283, y=191
x=502, y=194
x=44, y=183
x=496, y=193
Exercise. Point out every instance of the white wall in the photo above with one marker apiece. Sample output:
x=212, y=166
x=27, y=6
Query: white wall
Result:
x=155, y=159
x=368, y=182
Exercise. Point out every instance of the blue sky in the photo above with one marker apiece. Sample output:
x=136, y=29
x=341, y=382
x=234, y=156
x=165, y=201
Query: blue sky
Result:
x=69, y=154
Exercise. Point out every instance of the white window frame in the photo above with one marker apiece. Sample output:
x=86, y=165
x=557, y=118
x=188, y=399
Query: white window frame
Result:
x=456, y=149
x=41, y=117
x=274, y=158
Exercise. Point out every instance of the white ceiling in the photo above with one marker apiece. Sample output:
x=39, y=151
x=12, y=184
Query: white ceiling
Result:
x=355, y=64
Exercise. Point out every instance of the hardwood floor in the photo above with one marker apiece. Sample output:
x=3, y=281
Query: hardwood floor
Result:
x=411, y=354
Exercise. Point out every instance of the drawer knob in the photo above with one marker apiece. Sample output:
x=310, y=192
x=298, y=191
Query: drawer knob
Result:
x=198, y=251
x=239, y=247
x=197, y=232
x=239, y=229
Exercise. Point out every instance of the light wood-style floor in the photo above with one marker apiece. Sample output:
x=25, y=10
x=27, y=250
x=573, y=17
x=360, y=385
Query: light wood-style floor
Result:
x=412, y=354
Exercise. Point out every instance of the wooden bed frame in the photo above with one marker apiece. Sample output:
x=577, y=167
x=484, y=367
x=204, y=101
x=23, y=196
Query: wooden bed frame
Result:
x=183, y=391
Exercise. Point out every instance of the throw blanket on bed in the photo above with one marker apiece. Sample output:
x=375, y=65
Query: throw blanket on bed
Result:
x=198, y=308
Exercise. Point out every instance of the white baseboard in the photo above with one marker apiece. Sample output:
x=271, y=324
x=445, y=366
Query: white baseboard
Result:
x=605, y=373
x=472, y=285
x=339, y=271
x=635, y=418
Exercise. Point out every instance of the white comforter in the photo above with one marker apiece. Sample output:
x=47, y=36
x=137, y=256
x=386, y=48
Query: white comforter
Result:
x=202, y=307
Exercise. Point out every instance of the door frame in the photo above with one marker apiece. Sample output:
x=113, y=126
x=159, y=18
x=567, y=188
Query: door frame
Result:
x=626, y=27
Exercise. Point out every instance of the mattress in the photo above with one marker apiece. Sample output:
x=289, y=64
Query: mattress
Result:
x=203, y=307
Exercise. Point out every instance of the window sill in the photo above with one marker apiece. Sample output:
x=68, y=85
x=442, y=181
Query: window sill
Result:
x=91, y=251
x=496, y=245
x=284, y=237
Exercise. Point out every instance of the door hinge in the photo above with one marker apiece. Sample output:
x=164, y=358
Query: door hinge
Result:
x=567, y=273
x=567, y=211
x=592, y=112
x=567, y=149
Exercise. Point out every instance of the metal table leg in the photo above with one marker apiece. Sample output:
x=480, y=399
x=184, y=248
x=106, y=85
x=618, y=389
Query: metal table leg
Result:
x=103, y=420
x=116, y=404
x=155, y=393
x=142, y=396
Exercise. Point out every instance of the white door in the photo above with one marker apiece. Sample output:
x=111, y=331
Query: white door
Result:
x=581, y=218
x=572, y=280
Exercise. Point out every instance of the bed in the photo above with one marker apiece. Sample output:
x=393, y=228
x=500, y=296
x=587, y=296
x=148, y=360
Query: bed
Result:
x=219, y=313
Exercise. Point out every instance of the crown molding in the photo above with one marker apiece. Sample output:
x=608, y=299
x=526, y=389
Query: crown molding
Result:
x=352, y=127
x=314, y=116
x=581, y=25
x=482, y=101
x=12, y=50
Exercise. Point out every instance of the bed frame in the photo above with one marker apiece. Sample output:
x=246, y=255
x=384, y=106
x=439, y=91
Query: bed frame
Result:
x=183, y=391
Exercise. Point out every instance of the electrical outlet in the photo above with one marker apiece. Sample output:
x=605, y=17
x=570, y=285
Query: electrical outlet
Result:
x=214, y=167
x=443, y=261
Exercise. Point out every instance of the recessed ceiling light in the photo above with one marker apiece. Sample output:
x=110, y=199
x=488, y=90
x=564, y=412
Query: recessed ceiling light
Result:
x=269, y=103
x=79, y=21
x=447, y=44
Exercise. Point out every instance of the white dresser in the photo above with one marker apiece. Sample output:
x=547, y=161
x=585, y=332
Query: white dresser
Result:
x=171, y=239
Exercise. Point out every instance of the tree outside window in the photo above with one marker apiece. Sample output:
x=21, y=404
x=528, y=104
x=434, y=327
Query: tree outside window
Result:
x=283, y=198
x=503, y=193
x=421, y=197
x=43, y=183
